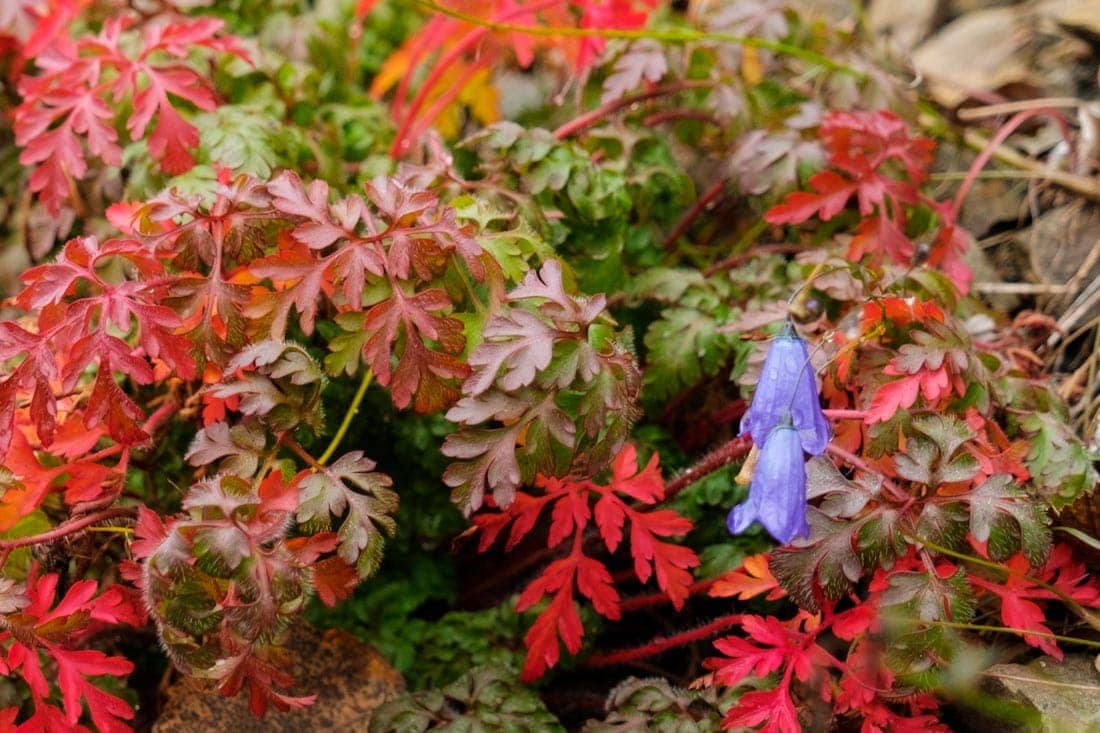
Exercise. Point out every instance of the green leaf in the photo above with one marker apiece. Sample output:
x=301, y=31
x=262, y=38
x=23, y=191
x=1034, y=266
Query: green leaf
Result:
x=655, y=705
x=512, y=242
x=348, y=346
x=1060, y=466
x=684, y=345
x=827, y=567
x=998, y=500
x=484, y=699
x=843, y=497
x=928, y=597
x=245, y=138
x=946, y=431
x=915, y=464
x=351, y=485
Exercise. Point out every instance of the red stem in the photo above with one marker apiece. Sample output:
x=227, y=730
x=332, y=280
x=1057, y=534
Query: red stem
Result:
x=994, y=142
x=856, y=462
x=721, y=456
x=588, y=119
x=661, y=644
x=419, y=47
x=67, y=528
x=845, y=414
x=735, y=260
x=298, y=450
x=680, y=114
x=693, y=213
x=159, y=415
x=655, y=599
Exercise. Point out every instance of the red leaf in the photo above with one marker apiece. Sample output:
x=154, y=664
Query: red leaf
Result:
x=831, y=194
x=42, y=628
x=594, y=583
x=1020, y=596
x=82, y=82
x=73, y=667
x=771, y=707
x=646, y=485
x=773, y=644
x=572, y=510
x=878, y=235
x=333, y=579
x=149, y=532
x=559, y=619
x=670, y=563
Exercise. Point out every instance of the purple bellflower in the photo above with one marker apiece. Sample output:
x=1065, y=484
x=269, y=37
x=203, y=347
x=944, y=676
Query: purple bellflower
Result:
x=786, y=422
x=787, y=387
x=777, y=495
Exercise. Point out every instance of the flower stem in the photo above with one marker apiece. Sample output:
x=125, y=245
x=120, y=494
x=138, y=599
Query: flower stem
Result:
x=855, y=461
x=711, y=462
x=348, y=417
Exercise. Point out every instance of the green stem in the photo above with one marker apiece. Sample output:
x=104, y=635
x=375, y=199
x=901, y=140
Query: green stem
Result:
x=348, y=416
x=671, y=35
x=111, y=530
x=1085, y=615
x=1018, y=632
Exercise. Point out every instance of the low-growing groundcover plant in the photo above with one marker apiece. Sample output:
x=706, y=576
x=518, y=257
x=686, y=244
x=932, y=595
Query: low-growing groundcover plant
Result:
x=539, y=343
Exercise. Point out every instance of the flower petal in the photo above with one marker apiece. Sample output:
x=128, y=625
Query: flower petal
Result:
x=787, y=386
x=777, y=495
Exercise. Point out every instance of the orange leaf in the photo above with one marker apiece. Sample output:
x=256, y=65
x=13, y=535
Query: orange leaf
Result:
x=752, y=579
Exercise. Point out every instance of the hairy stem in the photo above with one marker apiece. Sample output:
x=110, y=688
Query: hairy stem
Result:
x=67, y=528
x=588, y=119
x=655, y=599
x=708, y=464
x=663, y=643
x=1021, y=632
x=855, y=461
x=299, y=451
x=704, y=202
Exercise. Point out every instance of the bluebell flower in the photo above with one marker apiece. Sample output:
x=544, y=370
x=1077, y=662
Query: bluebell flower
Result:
x=787, y=387
x=777, y=495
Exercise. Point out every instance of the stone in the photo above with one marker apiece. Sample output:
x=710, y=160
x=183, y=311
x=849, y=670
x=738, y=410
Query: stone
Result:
x=1057, y=697
x=349, y=678
x=978, y=52
x=902, y=24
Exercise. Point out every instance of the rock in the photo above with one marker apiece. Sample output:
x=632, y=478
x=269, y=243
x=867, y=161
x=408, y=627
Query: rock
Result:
x=349, y=678
x=980, y=51
x=1064, y=247
x=1061, y=241
x=901, y=24
x=1081, y=15
x=1053, y=697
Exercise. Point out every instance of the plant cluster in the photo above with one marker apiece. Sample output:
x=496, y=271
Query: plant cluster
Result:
x=272, y=324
